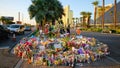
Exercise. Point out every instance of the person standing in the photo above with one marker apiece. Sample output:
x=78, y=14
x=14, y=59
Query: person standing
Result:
x=68, y=29
x=78, y=31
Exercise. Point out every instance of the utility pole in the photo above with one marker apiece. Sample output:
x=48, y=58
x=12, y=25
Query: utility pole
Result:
x=18, y=16
x=22, y=17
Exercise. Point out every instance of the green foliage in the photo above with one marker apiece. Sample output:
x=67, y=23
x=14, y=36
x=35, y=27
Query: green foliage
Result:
x=83, y=29
x=95, y=3
x=105, y=30
x=99, y=30
x=92, y=29
x=47, y=10
x=34, y=33
x=6, y=21
x=118, y=31
x=86, y=15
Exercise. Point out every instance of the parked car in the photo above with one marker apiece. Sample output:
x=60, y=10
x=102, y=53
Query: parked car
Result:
x=27, y=28
x=4, y=32
x=16, y=28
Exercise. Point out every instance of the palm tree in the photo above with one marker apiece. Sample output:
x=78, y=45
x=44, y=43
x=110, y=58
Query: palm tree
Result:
x=76, y=20
x=45, y=10
x=83, y=13
x=5, y=20
x=95, y=3
x=115, y=11
x=88, y=14
x=73, y=19
x=103, y=11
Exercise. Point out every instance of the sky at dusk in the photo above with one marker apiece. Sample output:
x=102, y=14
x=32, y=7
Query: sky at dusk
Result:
x=12, y=7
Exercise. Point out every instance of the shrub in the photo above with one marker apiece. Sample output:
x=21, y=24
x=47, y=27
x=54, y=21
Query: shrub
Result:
x=118, y=31
x=99, y=30
x=113, y=31
x=106, y=30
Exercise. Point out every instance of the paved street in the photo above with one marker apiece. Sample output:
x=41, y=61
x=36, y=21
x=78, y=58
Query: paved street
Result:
x=8, y=43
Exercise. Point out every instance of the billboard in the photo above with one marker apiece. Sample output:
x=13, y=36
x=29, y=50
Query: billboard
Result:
x=8, y=18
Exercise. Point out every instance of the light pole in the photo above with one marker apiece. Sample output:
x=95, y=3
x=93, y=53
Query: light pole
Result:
x=18, y=16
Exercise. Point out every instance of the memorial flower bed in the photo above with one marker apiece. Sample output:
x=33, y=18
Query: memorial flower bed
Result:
x=64, y=50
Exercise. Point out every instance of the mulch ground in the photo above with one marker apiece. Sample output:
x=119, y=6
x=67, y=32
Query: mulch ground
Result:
x=7, y=60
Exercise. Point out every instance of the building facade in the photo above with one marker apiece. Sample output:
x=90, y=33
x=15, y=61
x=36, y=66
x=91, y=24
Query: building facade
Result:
x=99, y=9
x=109, y=15
x=67, y=18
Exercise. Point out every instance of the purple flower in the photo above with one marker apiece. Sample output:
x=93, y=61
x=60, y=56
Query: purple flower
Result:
x=80, y=51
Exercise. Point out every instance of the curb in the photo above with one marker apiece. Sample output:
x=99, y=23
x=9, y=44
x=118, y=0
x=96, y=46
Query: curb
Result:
x=18, y=64
x=11, y=49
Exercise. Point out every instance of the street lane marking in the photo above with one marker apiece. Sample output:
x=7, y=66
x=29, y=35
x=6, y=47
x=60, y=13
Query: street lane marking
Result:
x=113, y=60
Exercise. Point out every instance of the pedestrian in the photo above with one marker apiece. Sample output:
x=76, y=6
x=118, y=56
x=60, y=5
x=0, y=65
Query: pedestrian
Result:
x=78, y=31
x=68, y=29
x=62, y=30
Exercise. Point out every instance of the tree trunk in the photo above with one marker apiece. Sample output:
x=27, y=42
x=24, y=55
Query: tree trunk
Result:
x=115, y=11
x=83, y=21
x=88, y=22
x=103, y=14
x=95, y=11
x=43, y=23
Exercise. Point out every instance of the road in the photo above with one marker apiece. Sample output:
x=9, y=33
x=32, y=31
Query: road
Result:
x=9, y=43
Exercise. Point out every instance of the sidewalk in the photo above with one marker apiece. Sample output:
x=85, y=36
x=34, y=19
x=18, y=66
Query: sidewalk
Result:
x=7, y=60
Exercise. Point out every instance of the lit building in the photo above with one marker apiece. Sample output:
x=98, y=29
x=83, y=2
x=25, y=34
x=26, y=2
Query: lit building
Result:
x=109, y=15
x=99, y=9
x=99, y=12
x=67, y=19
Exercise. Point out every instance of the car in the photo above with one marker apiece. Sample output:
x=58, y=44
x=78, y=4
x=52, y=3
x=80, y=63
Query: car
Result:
x=16, y=28
x=4, y=32
x=27, y=28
